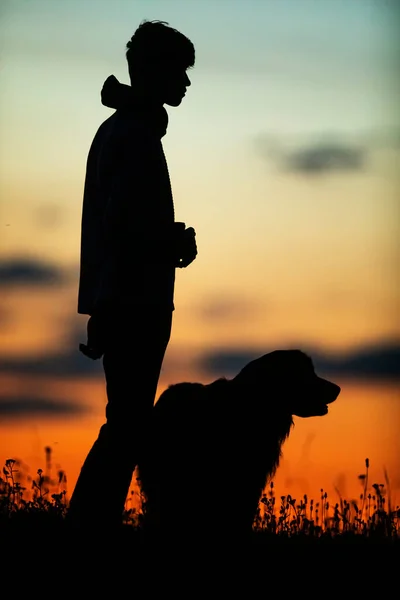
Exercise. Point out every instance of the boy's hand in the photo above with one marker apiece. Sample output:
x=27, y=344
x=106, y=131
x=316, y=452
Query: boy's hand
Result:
x=188, y=249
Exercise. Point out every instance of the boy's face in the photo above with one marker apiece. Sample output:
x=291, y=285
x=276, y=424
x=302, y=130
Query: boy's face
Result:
x=171, y=82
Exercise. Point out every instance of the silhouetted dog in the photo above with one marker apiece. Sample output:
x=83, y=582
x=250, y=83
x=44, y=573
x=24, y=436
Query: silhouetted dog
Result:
x=212, y=448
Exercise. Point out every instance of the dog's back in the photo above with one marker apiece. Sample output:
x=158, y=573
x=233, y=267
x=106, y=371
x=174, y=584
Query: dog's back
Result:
x=198, y=452
x=176, y=428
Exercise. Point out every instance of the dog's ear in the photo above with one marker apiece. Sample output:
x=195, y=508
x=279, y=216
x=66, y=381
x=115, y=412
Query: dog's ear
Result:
x=261, y=370
x=282, y=368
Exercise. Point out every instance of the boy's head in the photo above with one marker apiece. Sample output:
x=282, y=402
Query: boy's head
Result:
x=158, y=57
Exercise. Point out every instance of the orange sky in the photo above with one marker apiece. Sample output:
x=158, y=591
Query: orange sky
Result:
x=284, y=157
x=320, y=452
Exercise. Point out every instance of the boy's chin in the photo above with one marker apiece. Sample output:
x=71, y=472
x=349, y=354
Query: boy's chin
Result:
x=174, y=101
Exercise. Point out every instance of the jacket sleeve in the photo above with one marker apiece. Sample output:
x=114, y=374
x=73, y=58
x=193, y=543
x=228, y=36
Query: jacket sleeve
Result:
x=132, y=226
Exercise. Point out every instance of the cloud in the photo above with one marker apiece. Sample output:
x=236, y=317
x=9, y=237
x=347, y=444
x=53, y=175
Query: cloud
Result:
x=222, y=309
x=374, y=362
x=226, y=363
x=21, y=407
x=70, y=363
x=29, y=271
x=314, y=158
x=379, y=361
x=66, y=360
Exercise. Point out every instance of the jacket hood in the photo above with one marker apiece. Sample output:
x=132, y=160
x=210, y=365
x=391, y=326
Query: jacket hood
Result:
x=121, y=97
x=115, y=94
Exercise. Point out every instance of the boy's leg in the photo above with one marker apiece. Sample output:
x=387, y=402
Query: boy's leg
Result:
x=134, y=350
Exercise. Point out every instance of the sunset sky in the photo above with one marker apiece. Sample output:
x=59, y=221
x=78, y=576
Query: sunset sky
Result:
x=284, y=156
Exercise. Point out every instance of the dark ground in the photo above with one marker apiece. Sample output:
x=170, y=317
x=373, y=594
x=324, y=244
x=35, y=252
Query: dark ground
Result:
x=51, y=559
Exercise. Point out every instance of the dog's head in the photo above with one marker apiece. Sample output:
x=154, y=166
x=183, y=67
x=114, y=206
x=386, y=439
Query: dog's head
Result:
x=290, y=377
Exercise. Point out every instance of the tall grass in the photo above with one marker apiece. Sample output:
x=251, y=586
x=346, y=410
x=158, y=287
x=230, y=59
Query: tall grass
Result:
x=371, y=516
x=43, y=499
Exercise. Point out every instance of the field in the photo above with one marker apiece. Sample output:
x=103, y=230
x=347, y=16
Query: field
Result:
x=316, y=536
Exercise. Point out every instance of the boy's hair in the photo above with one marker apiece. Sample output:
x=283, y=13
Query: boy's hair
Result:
x=155, y=43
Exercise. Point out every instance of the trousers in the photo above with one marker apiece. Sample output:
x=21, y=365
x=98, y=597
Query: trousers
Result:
x=132, y=346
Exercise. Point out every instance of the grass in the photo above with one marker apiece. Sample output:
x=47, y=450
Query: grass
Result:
x=306, y=543
x=42, y=502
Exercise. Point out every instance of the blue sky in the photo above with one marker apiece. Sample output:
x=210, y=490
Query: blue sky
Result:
x=284, y=155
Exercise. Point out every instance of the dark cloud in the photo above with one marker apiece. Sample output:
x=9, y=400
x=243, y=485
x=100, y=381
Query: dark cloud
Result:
x=21, y=407
x=314, y=158
x=375, y=362
x=29, y=271
x=66, y=360
x=319, y=159
x=70, y=363
x=379, y=361
x=226, y=362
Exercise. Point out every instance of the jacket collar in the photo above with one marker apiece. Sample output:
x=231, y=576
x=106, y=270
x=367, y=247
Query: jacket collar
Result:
x=120, y=96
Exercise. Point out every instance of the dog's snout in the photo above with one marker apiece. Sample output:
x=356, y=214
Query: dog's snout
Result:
x=335, y=393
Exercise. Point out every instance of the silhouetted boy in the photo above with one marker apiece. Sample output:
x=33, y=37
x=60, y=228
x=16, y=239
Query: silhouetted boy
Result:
x=130, y=247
